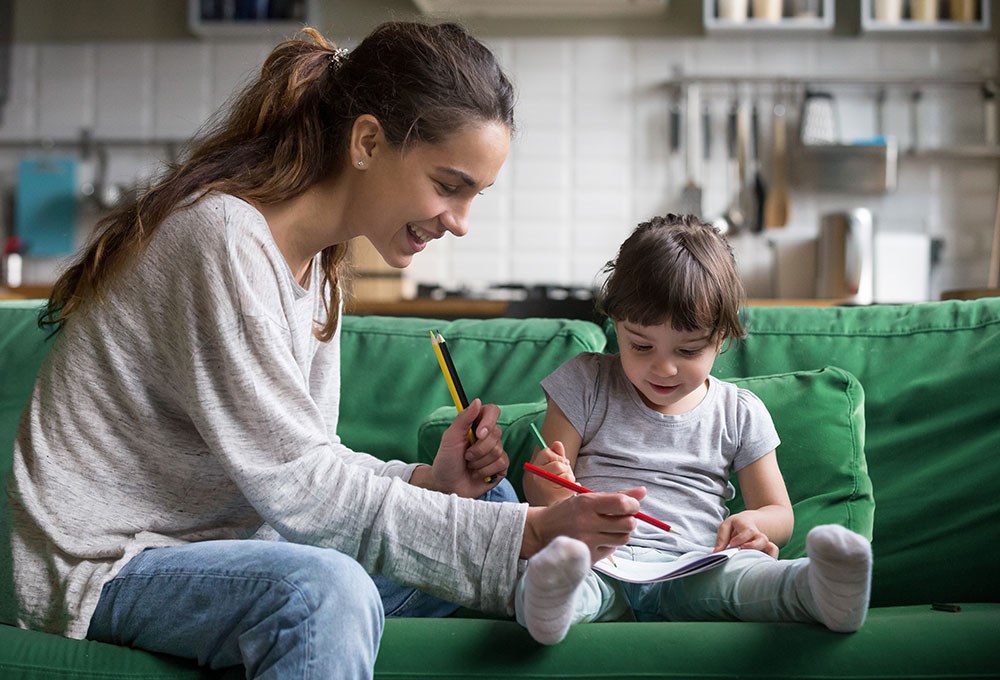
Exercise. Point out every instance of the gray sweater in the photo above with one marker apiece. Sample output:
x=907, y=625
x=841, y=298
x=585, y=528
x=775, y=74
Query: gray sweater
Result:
x=196, y=404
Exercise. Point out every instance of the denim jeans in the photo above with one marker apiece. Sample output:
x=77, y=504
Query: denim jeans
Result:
x=283, y=610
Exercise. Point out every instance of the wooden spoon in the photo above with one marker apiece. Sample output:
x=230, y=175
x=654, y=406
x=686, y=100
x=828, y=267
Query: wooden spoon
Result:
x=776, y=202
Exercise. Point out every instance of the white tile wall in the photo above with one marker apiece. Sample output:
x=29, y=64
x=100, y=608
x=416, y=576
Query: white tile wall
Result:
x=591, y=157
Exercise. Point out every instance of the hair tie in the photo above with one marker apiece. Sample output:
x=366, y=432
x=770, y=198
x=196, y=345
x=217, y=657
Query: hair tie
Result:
x=338, y=57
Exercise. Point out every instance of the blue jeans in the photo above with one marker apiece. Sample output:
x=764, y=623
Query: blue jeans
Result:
x=283, y=610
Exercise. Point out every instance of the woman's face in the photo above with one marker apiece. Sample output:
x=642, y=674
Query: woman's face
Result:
x=426, y=191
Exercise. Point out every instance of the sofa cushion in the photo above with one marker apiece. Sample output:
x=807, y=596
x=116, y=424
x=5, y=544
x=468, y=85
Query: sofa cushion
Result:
x=30, y=655
x=392, y=379
x=932, y=430
x=820, y=419
x=22, y=347
x=894, y=643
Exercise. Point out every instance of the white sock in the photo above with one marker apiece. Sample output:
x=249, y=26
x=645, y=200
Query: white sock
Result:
x=840, y=576
x=551, y=583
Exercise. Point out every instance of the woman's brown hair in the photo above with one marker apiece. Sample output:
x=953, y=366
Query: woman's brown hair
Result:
x=675, y=268
x=290, y=128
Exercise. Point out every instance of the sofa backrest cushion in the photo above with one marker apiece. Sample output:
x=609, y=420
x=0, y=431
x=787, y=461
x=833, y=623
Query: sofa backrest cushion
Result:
x=820, y=419
x=391, y=379
x=22, y=347
x=931, y=376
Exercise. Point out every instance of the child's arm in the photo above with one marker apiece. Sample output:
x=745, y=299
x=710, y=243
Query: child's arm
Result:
x=559, y=458
x=767, y=522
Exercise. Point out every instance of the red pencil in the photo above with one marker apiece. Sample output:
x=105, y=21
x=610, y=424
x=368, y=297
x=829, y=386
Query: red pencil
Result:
x=573, y=486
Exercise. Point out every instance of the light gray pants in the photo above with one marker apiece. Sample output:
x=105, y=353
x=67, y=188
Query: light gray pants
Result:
x=750, y=586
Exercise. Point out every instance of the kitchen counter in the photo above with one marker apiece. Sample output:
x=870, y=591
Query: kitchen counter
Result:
x=448, y=308
x=464, y=308
x=25, y=292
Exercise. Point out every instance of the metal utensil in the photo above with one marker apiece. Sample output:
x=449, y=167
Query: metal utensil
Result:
x=689, y=201
x=736, y=142
x=753, y=201
x=818, y=118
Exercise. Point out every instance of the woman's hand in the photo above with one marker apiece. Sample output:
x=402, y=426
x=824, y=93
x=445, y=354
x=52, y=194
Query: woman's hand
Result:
x=463, y=469
x=741, y=531
x=604, y=521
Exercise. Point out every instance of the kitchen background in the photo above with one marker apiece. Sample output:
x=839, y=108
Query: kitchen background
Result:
x=627, y=109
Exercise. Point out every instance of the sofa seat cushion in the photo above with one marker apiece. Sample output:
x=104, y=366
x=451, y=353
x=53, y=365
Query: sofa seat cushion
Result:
x=30, y=655
x=819, y=416
x=958, y=645
x=952, y=645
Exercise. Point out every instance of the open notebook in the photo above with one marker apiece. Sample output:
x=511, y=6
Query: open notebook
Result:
x=631, y=571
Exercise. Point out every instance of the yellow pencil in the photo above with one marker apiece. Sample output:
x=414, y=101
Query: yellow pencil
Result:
x=451, y=378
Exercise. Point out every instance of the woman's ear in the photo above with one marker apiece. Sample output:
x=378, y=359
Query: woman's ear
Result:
x=366, y=137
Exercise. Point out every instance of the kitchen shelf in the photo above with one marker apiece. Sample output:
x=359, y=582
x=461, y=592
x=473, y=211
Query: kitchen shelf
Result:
x=906, y=25
x=248, y=18
x=954, y=153
x=954, y=80
x=716, y=23
x=857, y=168
x=42, y=144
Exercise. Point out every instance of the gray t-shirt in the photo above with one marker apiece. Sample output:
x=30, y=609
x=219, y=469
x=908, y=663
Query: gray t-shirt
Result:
x=195, y=403
x=684, y=461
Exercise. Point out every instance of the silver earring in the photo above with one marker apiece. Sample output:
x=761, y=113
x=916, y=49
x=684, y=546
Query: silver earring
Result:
x=361, y=164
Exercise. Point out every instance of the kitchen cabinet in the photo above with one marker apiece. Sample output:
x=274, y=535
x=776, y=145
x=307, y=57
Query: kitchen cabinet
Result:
x=248, y=18
x=925, y=16
x=755, y=16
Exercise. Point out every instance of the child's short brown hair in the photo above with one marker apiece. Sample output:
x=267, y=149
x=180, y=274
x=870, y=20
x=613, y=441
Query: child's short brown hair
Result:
x=675, y=268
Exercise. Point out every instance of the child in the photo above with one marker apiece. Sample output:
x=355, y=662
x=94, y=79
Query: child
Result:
x=652, y=416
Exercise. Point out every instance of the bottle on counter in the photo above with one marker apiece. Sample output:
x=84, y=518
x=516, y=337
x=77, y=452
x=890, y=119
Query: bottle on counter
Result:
x=12, y=262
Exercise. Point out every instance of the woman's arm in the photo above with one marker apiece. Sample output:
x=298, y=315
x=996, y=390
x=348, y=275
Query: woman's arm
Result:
x=767, y=522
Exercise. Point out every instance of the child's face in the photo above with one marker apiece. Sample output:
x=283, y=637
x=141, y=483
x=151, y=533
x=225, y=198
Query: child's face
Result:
x=669, y=368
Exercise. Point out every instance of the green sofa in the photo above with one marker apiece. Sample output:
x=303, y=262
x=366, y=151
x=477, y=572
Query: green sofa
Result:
x=890, y=424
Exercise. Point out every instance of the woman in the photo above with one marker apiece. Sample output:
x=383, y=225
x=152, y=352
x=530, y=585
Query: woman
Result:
x=190, y=400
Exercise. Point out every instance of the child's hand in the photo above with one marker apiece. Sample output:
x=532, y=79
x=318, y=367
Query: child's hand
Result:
x=740, y=531
x=553, y=459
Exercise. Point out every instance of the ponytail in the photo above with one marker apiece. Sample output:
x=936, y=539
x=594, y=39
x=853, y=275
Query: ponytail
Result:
x=275, y=131
x=290, y=128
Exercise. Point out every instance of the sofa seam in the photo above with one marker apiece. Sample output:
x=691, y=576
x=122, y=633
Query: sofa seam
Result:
x=854, y=445
x=871, y=332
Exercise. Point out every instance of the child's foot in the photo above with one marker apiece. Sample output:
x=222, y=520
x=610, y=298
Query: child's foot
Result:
x=840, y=576
x=551, y=582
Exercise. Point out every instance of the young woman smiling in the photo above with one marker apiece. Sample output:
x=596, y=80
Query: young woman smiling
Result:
x=179, y=485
